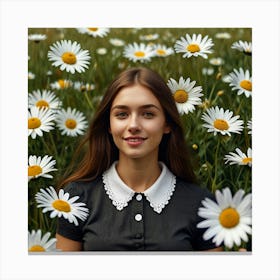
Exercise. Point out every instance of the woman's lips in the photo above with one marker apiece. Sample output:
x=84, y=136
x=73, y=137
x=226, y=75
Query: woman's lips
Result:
x=134, y=141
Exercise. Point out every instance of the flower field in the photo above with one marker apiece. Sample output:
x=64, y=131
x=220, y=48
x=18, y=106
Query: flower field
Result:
x=209, y=71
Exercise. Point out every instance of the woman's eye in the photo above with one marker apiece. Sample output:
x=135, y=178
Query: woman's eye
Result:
x=121, y=115
x=148, y=115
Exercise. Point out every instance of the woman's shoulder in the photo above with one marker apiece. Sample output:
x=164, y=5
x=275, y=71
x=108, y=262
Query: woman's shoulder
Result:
x=192, y=190
x=83, y=188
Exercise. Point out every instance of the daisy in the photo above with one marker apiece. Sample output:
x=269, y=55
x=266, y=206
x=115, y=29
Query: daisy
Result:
x=69, y=56
x=61, y=205
x=95, y=31
x=223, y=35
x=162, y=51
x=38, y=167
x=43, y=99
x=39, y=243
x=249, y=126
x=138, y=52
x=185, y=94
x=218, y=120
x=241, y=81
x=71, y=122
x=194, y=46
x=61, y=84
x=83, y=87
x=101, y=51
x=37, y=37
x=117, y=42
x=217, y=61
x=149, y=37
x=243, y=46
x=39, y=120
x=229, y=220
x=31, y=76
x=240, y=158
x=207, y=71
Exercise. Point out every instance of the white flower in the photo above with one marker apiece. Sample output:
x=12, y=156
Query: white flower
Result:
x=95, y=31
x=101, y=51
x=218, y=120
x=243, y=46
x=40, y=167
x=43, y=99
x=249, y=126
x=138, y=52
x=69, y=56
x=31, y=76
x=39, y=243
x=241, y=81
x=240, y=158
x=217, y=61
x=229, y=220
x=149, y=37
x=61, y=84
x=39, y=120
x=71, y=122
x=185, y=94
x=207, y=71
x=61, y=205
x=83, y=87
x=194, y=46
x=162, y=51
x=223, y=35
x=116, y=42
x=37, y=37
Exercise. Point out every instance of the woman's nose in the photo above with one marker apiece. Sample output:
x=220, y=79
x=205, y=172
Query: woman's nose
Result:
x=134, y=125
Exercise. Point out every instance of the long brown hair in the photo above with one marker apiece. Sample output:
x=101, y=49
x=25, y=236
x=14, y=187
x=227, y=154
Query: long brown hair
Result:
x=101, y=151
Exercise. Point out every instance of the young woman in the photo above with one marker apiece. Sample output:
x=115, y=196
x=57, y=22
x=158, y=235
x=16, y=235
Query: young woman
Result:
x=135, y=176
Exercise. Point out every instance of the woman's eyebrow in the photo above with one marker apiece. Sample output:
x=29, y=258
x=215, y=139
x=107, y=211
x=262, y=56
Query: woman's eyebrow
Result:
x=125, y=107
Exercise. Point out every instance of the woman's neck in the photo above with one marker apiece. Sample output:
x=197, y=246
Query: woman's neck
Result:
x=138, y=174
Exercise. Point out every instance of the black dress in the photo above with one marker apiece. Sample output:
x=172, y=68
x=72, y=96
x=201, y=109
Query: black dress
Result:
x=162, y=219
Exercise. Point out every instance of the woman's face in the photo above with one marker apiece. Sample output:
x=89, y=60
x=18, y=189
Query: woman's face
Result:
x=137, y=123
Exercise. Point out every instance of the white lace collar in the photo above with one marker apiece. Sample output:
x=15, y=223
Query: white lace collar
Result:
x=158, y=194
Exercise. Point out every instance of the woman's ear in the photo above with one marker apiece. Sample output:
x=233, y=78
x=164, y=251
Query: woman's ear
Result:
x=166, y=129
x=109, y=129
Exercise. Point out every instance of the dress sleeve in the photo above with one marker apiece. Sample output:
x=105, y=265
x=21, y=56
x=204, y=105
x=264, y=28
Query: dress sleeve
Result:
x=64, y=227
x=199, y=243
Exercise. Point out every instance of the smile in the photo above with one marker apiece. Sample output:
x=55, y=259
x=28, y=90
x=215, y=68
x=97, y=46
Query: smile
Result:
x=134, y=140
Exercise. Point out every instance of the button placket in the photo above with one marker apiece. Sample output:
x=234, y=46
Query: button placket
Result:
x=138, y=221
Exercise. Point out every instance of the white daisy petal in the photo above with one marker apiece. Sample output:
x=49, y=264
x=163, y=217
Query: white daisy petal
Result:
x=61, y=205
x=232, y=223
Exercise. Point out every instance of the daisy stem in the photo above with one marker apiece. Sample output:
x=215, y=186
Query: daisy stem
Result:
x=212, y=91
x=216, y=166
x=88, y=100
x=54, y=145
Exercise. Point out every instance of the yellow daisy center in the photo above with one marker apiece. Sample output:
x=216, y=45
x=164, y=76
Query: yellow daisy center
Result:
x=229, y=218
x=181, y=96
x=247, y=160
x=37, y=248
x=93, y=29
x=139, y=54
x=246, y=84
x=34, y=170
x=221, y=124
x=34, y=123
x=70, y=123
x=42, y=104
x=161, y=52
x=61, y=205
x=69, y=58
x=193, y=48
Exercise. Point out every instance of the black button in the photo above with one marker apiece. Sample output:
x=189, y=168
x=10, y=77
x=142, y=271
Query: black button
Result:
x=138, y=245
x=138, y=235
